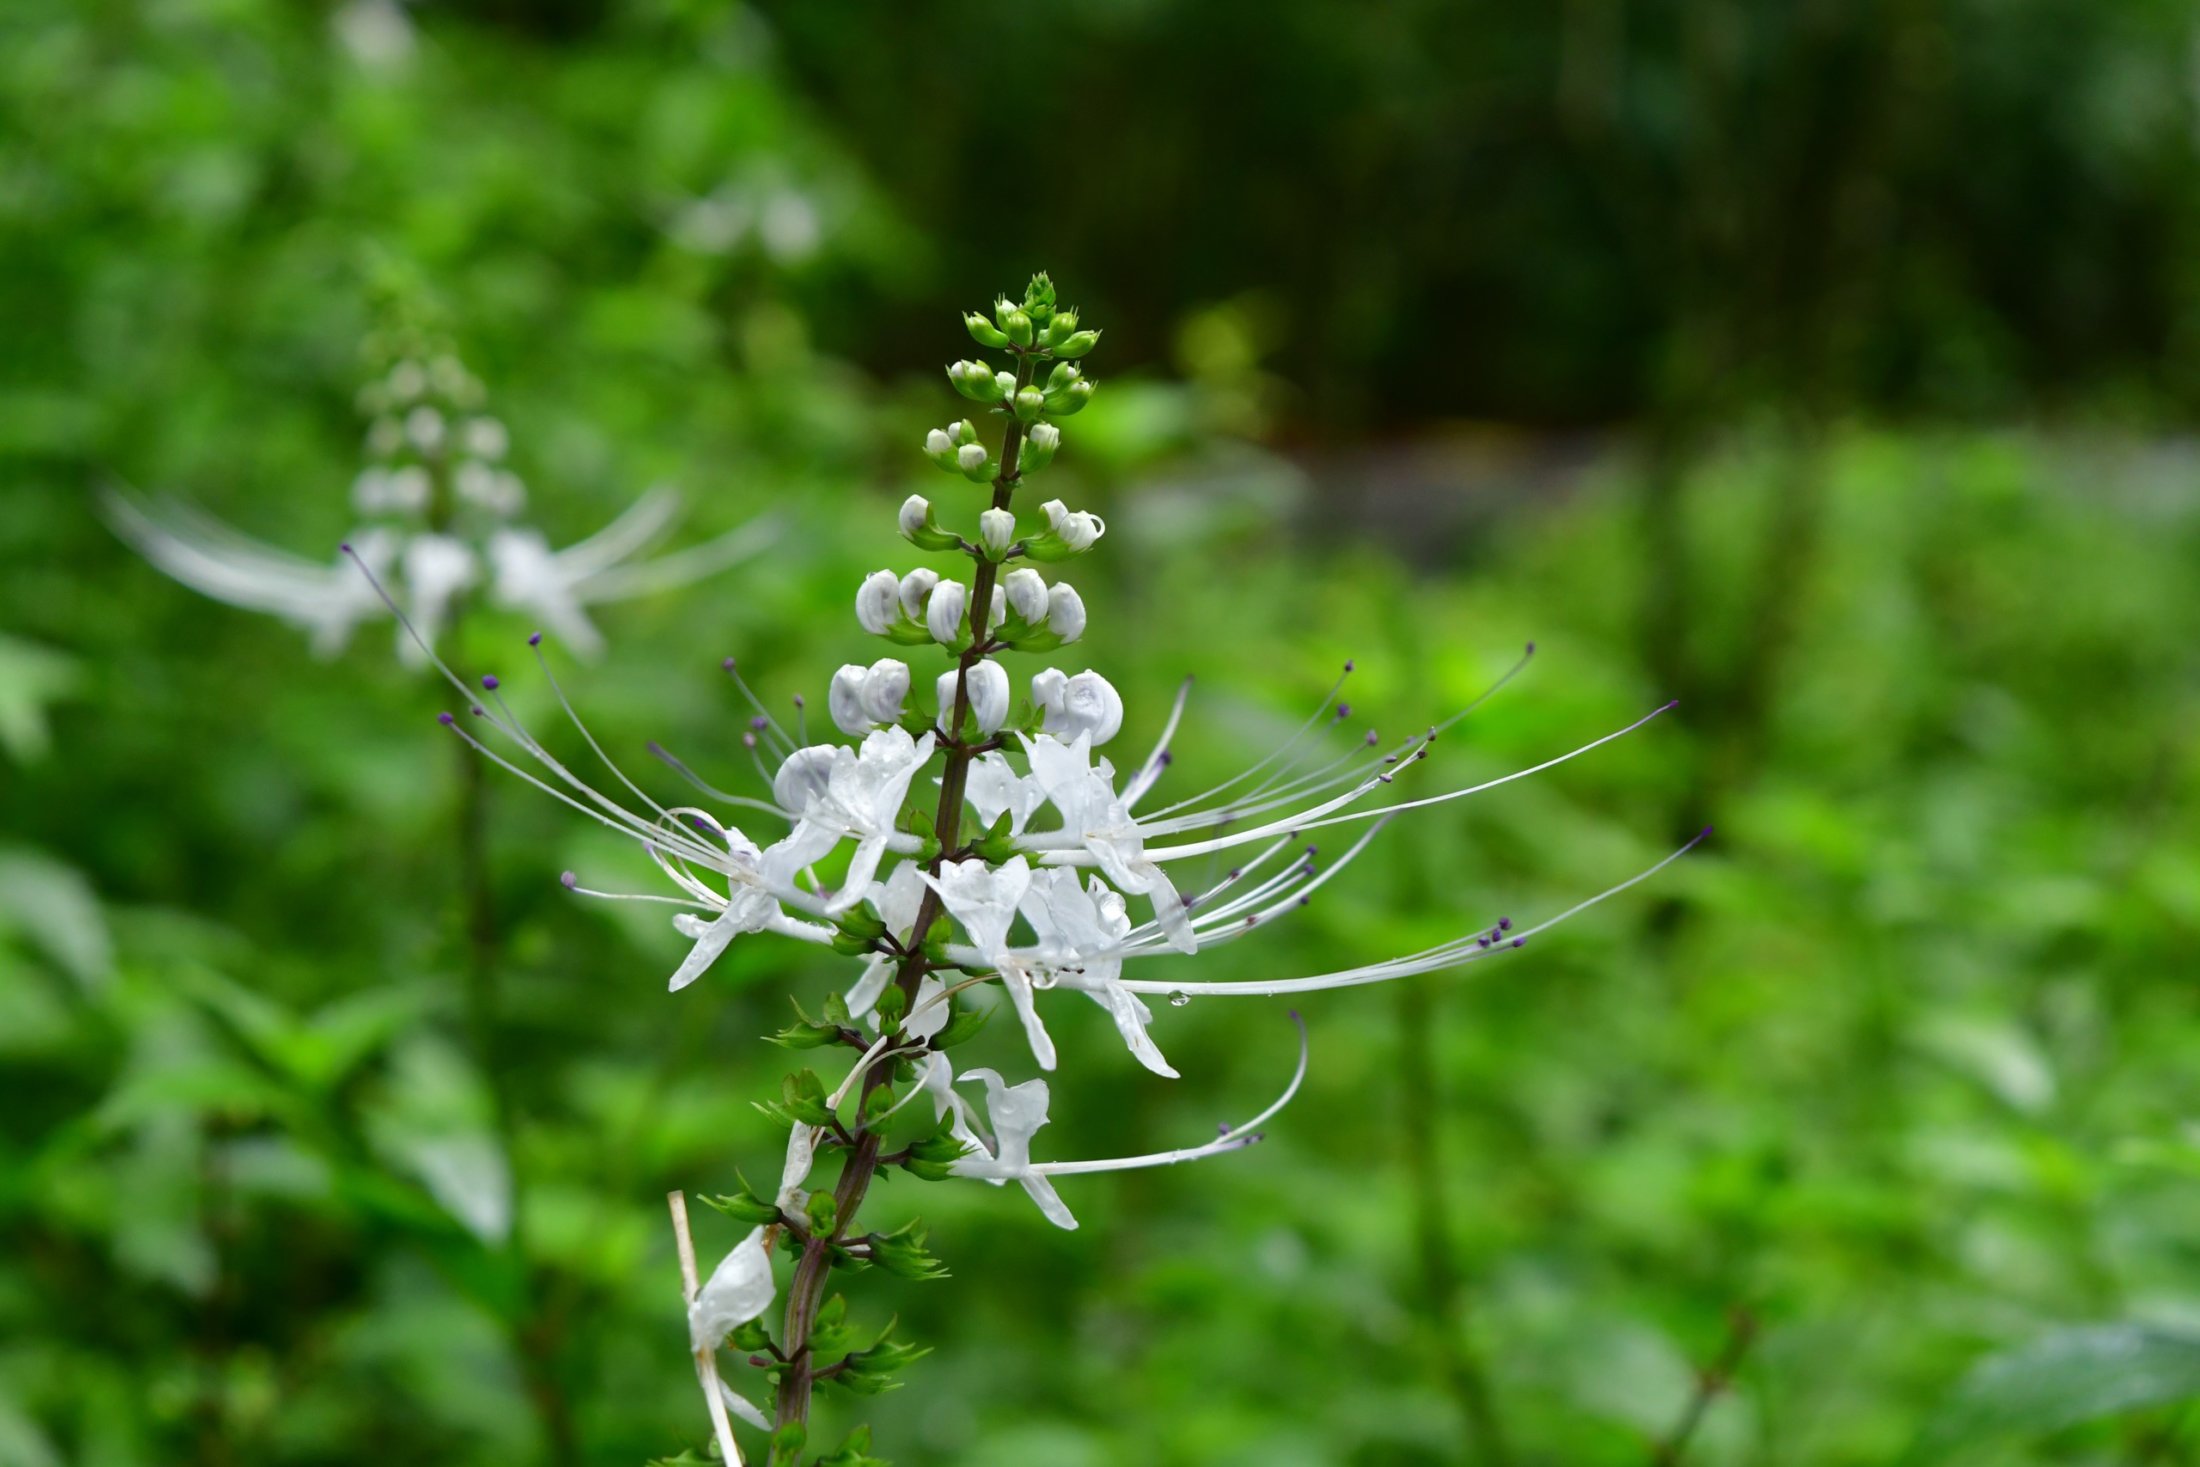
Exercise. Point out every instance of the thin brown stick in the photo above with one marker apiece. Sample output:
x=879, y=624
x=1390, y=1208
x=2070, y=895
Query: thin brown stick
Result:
x=706, y=1366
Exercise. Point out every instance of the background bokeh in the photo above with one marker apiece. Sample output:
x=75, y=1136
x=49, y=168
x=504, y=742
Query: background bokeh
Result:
x=1831, y=367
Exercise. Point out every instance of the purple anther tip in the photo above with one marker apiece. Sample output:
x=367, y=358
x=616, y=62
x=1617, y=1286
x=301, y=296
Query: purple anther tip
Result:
x=760, y=723
x=1236, y=872
x=1520, y=942
x=1348, y=664
x=1703, y=832
x=654, y=747
x=478, y=711
x=1223, y=1129
x=1481, y=942
x=1344, y=710
x=568, y=880
x=535, y=640
x=1671, y=703
x=1313, y=850
x=489, y=681
x=798, y=701
x=445, y=719
x=1167, y=758
x=1504, y=924
x=1531, y=649
x=1294, y=1014
x=748, y=741
x=1305, y=897
x=726, y=666
x=345, y=547
x=1372, y=738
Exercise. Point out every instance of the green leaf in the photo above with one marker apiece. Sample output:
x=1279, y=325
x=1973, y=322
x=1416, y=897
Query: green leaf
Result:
x=2063, y=1378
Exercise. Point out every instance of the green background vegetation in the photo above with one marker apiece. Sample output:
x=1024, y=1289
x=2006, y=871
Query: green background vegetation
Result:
x=1827, y=366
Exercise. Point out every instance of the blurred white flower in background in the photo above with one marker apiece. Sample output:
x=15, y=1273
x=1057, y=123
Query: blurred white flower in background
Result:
x=439, y=524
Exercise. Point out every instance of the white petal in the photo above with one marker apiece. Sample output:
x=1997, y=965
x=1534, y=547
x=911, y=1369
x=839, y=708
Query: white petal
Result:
x=738, y=1290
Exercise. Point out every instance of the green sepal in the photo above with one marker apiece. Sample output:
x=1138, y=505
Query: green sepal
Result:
x=1039, y=297
x=787, y=1444
x=892, y=1004
x=876, y=1103
x=806, y=1032
x=1077, y=344
x=902, y=1253
x=830, y=1332
x=870, y=1372
x=753, y=1337
x=854, y=1452
x=744, y=1206
x=934, y=1157
x=1017, y=326
x=962, y=1024
x=907, y=634
x=821, y=1210
x=1060, y=328
x=802, y=1096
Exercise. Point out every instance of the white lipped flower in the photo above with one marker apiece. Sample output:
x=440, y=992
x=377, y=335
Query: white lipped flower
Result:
x=1078, y=530
x=861, y=799
x=437, y=511
x=878, y=602
x=1025, y=591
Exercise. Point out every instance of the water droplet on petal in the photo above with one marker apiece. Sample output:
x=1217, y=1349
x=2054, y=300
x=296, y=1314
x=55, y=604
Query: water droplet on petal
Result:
x=1179, y=998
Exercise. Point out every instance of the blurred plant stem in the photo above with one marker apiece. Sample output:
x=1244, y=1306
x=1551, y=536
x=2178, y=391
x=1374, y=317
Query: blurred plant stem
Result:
x=536, y=1330
x=1711, y=1383
x=1442, y=1293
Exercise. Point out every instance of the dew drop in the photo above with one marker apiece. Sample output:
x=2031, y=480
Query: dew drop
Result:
x=1179, y=998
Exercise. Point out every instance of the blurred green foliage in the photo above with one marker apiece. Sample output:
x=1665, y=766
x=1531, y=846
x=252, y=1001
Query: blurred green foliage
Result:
x=1900, y=1064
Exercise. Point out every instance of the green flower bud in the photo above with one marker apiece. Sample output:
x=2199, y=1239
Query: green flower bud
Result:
x=1061, y=377
x=1059, y=329
x=1039, y=447
x=1077, y=344
x=1030, y=402
x=1039, y=295
x=984, y=332
x=1068, y=400
x=976, y=381
x=1018, y=327
x=976, y=464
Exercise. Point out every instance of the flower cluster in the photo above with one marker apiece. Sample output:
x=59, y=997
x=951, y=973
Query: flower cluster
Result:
x=1039, y=868
x=438, y=510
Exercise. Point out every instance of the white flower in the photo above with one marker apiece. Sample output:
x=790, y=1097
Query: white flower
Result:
x=1026, y=591
x=795, y=1170
x=984, y=900
x=997, y=531
x=416, y=571
x=1081, y=930
x=1065, y=612
x=943, y=612
x=1016, y=1113
x=1098, y=822
x=916, y=510
x=754, y=882
x=938, y=444
x=970, y=457
x=1085, y=705
x=486, y=438
x=862, y=797
x=437, y=569
x=987, y=685
x=803, y=777
x=993, y=788
x=424, y=428
x=878, y=602
x=739, y=1290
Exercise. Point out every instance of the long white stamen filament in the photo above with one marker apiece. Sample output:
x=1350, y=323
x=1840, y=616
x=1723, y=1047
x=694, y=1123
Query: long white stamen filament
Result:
x=1314, y=818
x=1313, y=721
x=679, y=766
x=1457, y=953
x=1237, y=1139
x=1158, y=760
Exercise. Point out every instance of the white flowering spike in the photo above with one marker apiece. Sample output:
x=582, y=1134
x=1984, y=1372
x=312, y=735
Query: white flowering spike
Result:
x=996, y=854
x=437, y=508
x=986, y=688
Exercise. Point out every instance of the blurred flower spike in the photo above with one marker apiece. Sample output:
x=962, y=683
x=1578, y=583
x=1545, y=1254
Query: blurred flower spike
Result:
x=440, y=522
x=970, y=839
